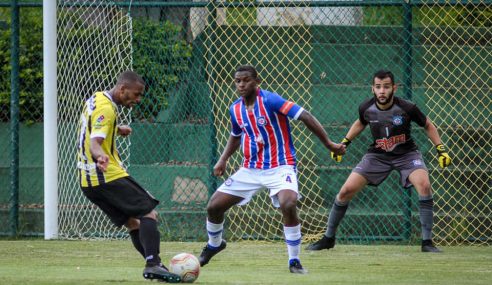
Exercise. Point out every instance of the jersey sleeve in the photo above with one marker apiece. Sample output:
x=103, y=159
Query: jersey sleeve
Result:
x=283, y=106
x=362, y=109
x=236, y=130
x=102, y=121
x=417, y=116
x=361, y=116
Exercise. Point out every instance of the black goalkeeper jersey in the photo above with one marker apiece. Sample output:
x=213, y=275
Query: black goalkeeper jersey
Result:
x=391, y=128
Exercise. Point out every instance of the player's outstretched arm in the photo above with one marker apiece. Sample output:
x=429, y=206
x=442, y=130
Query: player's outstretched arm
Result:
x=433, y=134
x=316, y=128
x=354, y=131
x=232, y=145
x=102, y=159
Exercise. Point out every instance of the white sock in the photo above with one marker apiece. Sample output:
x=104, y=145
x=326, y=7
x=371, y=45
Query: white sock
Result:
x=214, y=233
x=293, y=241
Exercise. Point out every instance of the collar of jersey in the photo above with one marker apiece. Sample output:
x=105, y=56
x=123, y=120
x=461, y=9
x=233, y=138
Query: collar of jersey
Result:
x=106, y=93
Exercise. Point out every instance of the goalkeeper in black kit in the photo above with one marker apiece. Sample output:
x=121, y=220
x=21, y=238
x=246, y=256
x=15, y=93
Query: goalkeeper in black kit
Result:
x=389, y=119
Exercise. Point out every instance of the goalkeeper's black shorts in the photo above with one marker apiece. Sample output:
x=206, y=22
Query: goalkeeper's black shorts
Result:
x=121, y=199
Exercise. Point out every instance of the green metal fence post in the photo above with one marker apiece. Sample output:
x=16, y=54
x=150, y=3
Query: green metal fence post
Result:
x=407, y=89
x=14, y=121
x=210, y=41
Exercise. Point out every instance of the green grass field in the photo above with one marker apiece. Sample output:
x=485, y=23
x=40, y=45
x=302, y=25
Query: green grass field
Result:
x=116, y=262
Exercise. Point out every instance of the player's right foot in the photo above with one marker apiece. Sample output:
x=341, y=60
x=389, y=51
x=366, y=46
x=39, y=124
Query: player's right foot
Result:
x=208, y=252
x=296, y=267
x=324, y=243
x=428, y=246
x=160, y=272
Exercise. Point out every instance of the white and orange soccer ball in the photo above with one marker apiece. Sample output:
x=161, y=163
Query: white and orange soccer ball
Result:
x=185, y=265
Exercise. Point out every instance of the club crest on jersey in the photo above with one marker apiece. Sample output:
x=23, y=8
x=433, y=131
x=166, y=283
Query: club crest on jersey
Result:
x=228, y=182
x=262, y=121
x=100, y=119
x=397, y=120
x=417, y=162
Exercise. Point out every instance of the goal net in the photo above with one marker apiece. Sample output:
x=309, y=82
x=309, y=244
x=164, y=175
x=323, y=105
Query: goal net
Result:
x=94, y=47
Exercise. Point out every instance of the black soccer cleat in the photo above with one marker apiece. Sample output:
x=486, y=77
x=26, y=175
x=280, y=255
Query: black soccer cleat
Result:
x=296, y=267
x=427, y=246
x=160, y=272
x=324, y=243
x=208, y=253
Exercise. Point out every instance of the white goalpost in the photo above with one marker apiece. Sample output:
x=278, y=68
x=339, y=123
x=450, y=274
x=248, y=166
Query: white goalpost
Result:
x=50, y=117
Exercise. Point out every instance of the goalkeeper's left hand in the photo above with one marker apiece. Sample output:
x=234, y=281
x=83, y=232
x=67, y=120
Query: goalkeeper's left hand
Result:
x=444, y=159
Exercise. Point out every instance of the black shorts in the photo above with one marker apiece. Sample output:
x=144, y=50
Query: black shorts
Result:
x=121, y=199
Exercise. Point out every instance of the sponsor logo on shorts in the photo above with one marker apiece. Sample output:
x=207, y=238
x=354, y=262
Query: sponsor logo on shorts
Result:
x=417, y=162
x=228, y=182
x=262, y=121
x=397, y=120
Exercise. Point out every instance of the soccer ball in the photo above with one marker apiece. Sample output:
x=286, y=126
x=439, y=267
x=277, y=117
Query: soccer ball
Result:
x=185, y=265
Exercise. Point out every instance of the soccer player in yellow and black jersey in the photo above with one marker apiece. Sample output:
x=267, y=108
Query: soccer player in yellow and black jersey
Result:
x=105, y=181
x=99, y=122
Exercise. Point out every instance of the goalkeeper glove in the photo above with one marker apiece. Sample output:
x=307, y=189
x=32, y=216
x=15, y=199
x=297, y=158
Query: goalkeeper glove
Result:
x=444, y=159
x=338, y=158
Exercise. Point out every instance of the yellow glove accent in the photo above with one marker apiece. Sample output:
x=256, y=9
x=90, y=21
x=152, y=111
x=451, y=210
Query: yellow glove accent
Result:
x=338, y=158
x=444, y=158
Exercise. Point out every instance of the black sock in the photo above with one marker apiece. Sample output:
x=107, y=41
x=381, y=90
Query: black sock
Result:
x=150, y=240
x=426, y=217
x=336, y=215
x=135, y=236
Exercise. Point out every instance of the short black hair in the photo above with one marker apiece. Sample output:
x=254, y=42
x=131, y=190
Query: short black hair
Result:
x=249, y=68
x=381, y=74
x=129, y=77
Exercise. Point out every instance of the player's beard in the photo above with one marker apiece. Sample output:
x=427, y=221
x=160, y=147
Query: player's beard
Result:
x=389, y=100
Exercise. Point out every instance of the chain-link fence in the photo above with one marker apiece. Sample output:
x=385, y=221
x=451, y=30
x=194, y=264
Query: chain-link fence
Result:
x=21, y=147
x=320, y=54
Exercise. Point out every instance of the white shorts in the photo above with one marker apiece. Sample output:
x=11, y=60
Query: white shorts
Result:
x=247, y=181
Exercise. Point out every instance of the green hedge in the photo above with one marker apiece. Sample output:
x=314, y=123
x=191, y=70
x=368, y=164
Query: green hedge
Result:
x=31, y=65
x=161, y=56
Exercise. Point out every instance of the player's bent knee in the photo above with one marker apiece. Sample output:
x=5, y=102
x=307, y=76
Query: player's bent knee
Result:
x=152, y=215
x=424, y=189
x=214, y=210
x=132, y=224
x=289, y=205
x=346, y=194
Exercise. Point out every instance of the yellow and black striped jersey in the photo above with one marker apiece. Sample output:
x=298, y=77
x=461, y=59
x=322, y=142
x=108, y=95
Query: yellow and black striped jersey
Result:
x=99, y=119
